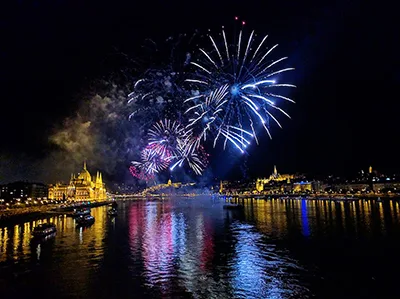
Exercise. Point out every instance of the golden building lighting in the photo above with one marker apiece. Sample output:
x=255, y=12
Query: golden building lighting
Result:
x=302, y=187
x=275, y=176
x=80, y=188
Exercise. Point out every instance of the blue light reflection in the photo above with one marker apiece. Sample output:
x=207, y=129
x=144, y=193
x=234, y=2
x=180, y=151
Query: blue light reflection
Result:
x=304, y=219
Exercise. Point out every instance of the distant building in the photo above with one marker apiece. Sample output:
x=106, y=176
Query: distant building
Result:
x=274, y=177
x=168, y=188
x=80, y=188
x=23, y=191
x=302, y=187
x=317, y=186
x=370, y=178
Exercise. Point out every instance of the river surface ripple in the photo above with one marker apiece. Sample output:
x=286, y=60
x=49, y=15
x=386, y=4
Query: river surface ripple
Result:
x=193, y=248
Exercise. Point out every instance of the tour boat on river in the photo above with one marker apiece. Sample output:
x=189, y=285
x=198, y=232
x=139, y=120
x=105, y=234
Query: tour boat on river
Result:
x=85, y=220
x=44, y=229
x=81, y=212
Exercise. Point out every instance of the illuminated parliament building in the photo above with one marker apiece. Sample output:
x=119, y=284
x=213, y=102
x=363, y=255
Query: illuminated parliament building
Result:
x=80, y=188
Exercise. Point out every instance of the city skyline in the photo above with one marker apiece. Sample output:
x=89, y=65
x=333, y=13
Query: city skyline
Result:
x=269, y=175
x=265, y=173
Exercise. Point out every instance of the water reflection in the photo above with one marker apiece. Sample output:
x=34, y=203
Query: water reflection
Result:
x=66, y=258
x=165, y=251
x=260, y=270
x=157, y=244
x=194, y=248
x=182, y=254
x=281, y=218
x=304, y=218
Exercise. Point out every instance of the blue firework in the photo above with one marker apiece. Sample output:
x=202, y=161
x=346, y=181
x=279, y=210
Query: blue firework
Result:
x=237, y=89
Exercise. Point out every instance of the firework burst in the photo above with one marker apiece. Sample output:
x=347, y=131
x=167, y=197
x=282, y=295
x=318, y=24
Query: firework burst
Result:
x=139, y=174
x=152, y=94
x=238, y=90
x=165, y=137
x=158, y=92
x=226, y=93
x=191, y=153
x=209, y=116
x=151, y=162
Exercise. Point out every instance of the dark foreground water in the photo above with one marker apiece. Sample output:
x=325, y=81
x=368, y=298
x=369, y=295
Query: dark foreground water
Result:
x=193, y=248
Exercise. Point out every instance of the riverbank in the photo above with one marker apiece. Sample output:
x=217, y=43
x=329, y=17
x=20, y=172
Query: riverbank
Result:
x=15, y=215
x=315, y=197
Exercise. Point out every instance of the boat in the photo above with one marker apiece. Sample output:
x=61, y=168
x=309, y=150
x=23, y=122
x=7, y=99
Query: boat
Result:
x=81, y=212
x=233, y=206
x=44, y=229
x=85, y=220
x=112, y=212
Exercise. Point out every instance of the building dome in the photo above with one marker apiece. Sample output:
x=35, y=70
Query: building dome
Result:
x=85, y=175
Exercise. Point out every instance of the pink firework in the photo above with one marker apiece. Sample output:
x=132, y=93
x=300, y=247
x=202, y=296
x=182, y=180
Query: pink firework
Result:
x=152, y=161
x=135, y=172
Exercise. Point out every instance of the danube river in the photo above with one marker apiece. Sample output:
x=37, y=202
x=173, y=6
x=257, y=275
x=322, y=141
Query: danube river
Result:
x=193, y=248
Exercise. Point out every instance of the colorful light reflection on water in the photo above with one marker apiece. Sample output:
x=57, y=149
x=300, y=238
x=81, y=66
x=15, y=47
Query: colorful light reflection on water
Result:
x=193, y=248
x=181, y=252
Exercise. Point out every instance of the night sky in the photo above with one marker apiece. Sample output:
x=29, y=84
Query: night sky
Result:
x=346, y=112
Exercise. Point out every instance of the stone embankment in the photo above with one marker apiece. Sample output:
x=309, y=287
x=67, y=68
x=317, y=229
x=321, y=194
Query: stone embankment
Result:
x=36, y=212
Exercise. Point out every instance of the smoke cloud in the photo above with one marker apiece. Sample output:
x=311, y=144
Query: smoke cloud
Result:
x=100, y=133
x=75, y=138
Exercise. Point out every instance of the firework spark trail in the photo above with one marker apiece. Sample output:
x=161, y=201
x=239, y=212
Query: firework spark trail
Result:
x=165, y=135
x=234, y=90
x=152, y=161
x=158, y=92
x=209, y=112
x=169, y=143
x=193, y=154
x=137, y=173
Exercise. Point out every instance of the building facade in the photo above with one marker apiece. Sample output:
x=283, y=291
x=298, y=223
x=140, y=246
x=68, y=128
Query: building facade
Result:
x=302, y=187
x=22, y=191
x=80, y=188
x=274, y=177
